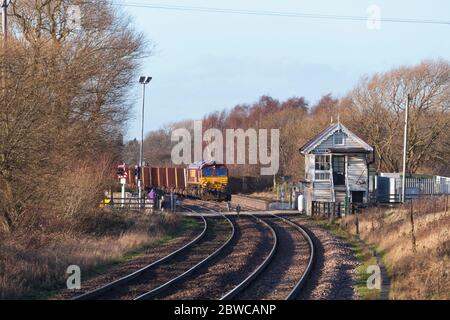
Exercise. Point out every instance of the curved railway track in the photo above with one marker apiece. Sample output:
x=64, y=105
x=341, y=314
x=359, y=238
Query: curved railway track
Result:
x=289, y=267
x=170, y=283
x=234, y=269
x=161, y=274
x=285, y=276
x=239, y=288
x=232, y=258
x=252, y=276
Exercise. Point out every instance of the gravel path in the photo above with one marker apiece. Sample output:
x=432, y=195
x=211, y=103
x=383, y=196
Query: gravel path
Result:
x=230, y=268
x=217, y=233
x=285, y=269
x=150, y=255
x=334, y=274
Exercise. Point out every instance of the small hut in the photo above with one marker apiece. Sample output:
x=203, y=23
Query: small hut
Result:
x=336, y=170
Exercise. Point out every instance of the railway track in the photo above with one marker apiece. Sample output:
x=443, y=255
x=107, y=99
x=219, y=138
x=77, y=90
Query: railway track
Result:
x=286, y=274
x=232, y=258
x=167, y=271
x=288, y=269
x=229, y=273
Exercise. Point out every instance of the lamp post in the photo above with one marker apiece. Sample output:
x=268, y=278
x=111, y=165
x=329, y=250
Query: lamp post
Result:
x=5, y=4
x=144, y=81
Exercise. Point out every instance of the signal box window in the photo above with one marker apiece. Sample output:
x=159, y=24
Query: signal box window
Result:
x=322, y=166
x=322, y=163
x=338, y=138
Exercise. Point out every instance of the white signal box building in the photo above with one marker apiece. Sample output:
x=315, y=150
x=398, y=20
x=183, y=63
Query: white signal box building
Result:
x=336, y=170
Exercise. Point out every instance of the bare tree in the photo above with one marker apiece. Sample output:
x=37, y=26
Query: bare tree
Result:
x=379, y=104
x=65, y=100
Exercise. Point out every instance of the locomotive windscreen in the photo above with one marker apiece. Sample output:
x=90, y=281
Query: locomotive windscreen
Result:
x=221, y=171
x=217, y=171
x=208, y=172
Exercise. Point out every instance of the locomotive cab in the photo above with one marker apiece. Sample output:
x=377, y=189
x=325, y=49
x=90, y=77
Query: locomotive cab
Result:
x=208, y=179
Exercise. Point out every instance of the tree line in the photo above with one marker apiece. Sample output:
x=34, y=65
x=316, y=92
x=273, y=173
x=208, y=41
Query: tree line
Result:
x=373, y=109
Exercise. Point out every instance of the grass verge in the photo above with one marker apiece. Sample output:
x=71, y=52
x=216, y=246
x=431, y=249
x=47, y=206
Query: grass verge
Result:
x=39, y=272
x=363, y=253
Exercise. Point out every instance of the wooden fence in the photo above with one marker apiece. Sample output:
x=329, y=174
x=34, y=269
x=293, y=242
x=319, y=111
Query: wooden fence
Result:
x=336, y=209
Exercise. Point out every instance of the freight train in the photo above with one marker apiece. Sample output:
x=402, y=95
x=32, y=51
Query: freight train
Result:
x=203, y=180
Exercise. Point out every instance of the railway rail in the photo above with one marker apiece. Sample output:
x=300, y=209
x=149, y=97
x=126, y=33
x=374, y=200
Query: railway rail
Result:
x=154, y=292
x=291, y=275
x=123, y=287
x=235, y=269
x=224, y=261
x=288, y=271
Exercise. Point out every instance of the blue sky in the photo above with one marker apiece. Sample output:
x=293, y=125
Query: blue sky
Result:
x=209, y=61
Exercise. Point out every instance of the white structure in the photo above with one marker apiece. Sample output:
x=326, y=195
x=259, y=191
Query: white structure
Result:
x=388, y=186
x=336, y=168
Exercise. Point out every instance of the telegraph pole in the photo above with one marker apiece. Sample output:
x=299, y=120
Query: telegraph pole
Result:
x=405, y=148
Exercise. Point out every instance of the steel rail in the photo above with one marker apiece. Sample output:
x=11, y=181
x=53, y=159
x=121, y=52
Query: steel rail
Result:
x=301, y=283
x=241, y=286
x=114, y=284
x=154, y=292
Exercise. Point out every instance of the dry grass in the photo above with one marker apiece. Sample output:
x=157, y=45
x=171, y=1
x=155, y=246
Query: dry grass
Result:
x=34, y=270
x=68, y=228
x=420, y=271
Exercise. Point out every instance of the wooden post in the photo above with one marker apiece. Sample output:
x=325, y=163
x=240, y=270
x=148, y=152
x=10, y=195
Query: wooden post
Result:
x=413, y=236
x=434, y=204
x=331, y=213
x=446, y=204
x=355, y=212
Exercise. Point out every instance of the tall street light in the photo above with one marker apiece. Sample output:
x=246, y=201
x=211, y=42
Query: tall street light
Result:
x=144, y=81
x=5, y=4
